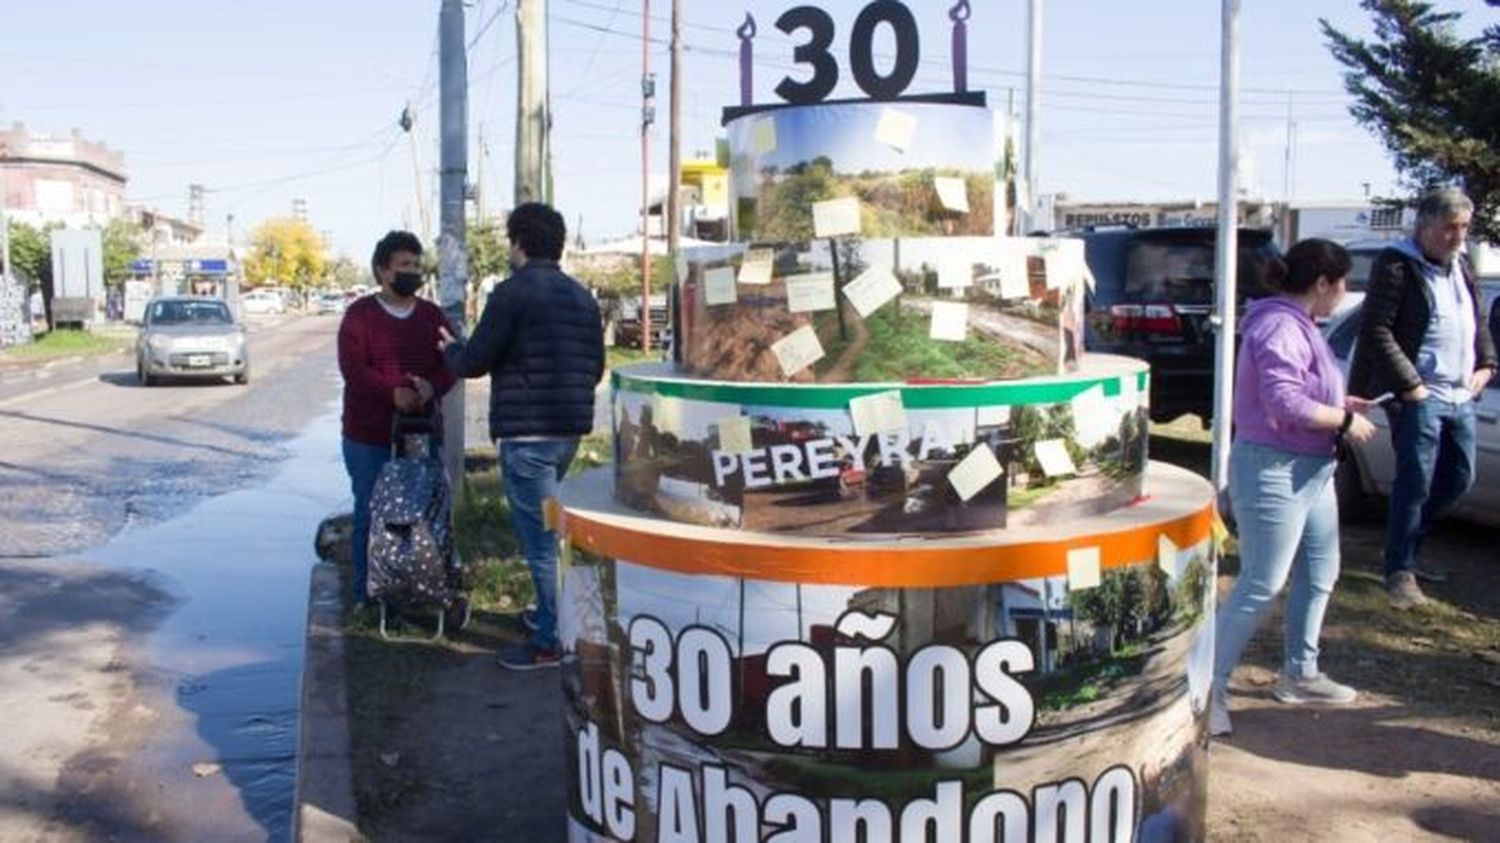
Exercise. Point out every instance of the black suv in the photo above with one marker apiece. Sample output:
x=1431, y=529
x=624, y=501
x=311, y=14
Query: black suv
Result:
x=1152, y=299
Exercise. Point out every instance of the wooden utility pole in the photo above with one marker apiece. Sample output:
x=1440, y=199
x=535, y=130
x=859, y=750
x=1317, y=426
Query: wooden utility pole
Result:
x=648, y=116
x=453, y=252
x=674, y=155
x=533, y=121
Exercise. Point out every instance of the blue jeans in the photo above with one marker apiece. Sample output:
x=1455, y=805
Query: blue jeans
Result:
x=1288, y=520
x=363, y=462
x=532, y=471
x=1434, y=445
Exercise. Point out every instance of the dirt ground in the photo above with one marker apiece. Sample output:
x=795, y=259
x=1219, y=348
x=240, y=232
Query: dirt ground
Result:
x=450, y=746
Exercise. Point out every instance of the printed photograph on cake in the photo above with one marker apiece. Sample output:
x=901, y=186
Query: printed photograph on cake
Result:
x=807, y=471
x=812, y=691
x=914, y=170
x=881, y=310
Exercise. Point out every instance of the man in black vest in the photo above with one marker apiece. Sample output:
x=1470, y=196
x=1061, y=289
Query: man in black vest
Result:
x=1423, y=340
x=541, y=341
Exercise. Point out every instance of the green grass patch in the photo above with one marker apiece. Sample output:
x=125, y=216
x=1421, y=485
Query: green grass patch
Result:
x=498, y=578
x=615, y=356
x=69, y=343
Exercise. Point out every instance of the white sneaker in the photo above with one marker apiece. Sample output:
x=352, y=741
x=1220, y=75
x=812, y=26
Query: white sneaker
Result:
x=1313, y=689
x=1218, y=716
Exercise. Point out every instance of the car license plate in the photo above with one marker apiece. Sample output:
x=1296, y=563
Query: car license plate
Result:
x=199, y=360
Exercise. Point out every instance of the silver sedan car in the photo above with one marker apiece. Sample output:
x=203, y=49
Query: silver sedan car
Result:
x=190, y=337
x=1371, y=467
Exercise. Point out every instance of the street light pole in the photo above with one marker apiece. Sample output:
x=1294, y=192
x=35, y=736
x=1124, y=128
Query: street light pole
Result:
x=1227, y=246
x=648, y=116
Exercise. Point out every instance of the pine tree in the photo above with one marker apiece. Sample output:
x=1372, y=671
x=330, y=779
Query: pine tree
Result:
x=1433, y=98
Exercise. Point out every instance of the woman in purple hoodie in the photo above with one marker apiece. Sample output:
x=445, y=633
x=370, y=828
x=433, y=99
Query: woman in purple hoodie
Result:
x=1289, y=412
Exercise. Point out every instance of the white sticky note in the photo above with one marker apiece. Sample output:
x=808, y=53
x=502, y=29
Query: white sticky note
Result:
x=836, y=217
x=953, y=193
x=1055, y=459
x=757, y=266
x=1130, y=394
x=896, y=129
x=810, y=293
x=1166, y=556
x=763, y=137
x=872, y=289
x=877, y=413
x=974, y=472
x=734, y=435
x=1064, y=260
x=1012, y=257
x=797, y=350
x=955, y=272
x=678, y=488
x=950, y=321
x=718, y=286
x=666, y=413
x=1083, y=568
x=1093, y=416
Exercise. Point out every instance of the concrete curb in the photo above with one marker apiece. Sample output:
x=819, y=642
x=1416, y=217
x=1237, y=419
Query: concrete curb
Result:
x=325, y=811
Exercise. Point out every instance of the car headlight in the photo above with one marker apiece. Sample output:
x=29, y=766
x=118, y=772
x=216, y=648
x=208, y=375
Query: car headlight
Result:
x=159, y=342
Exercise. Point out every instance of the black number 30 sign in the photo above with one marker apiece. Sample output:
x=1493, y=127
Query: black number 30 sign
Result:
x=861, y=52
x=817, y=33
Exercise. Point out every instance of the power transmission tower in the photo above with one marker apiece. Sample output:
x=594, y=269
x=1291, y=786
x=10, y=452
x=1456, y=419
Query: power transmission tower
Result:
x=299, y=209
x=195, y=204
x=453, y=254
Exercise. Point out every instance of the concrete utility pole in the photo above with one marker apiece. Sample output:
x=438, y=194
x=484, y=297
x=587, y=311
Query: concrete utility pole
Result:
x=1227, y=246
x=648, y=116
x=453, y=255
x=1033, y=112
x=532, y=118
x=674, y=155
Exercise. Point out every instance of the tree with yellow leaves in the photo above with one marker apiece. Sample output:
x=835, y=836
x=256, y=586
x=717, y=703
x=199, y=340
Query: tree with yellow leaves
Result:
x=286, y=251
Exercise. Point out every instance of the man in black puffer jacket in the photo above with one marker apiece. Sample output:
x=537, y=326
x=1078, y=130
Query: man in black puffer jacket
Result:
x=541, y=341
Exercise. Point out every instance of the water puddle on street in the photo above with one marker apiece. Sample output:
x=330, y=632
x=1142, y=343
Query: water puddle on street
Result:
x=224, y=668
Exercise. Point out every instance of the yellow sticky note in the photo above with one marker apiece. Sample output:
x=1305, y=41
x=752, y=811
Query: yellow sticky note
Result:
x=1083, y=568
x=734, y=435
x=666, y=413
x=757, y=266
x=797, y=350
x=718, y=286
x=872, y=290
x=878, y=413
x=810, y=293
x=950, y=321
x=953, y=193
x=836, y=217
x=1054, y=457
x=763, y=136
x=974, y=472
x=896, y=129
x=1166, y=556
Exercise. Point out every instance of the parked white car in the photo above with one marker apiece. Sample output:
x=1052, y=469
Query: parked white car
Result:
x=1369, y=470
x=261, y=302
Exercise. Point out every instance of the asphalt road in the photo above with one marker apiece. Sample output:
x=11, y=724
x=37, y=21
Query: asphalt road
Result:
x=152, y=590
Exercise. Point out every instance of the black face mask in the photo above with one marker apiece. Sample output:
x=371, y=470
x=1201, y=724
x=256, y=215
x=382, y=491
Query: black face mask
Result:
x=406, y=284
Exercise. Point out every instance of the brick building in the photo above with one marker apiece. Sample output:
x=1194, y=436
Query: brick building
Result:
x=60, y=178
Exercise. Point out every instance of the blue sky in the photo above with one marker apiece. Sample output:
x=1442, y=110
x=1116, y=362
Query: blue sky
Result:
x=264, y=101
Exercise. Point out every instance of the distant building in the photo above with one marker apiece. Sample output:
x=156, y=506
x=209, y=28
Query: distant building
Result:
x=60, y=178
